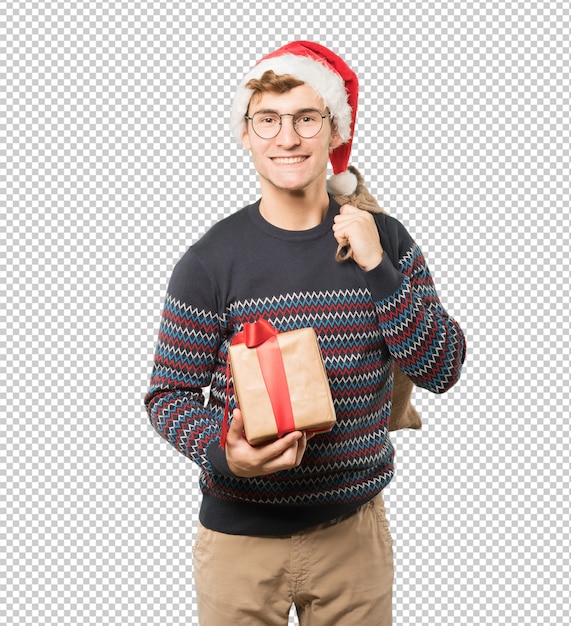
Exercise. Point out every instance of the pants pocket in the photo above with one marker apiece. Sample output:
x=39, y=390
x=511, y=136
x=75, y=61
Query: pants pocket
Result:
x=381, y=515
x=198, y=539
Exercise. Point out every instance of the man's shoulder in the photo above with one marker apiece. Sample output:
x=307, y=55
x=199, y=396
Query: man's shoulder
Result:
x=391, y=227
x=395, y=238
x=218, y=239
x=199, y=268
x=388, y=223
x=221, y=237
x=228, y=227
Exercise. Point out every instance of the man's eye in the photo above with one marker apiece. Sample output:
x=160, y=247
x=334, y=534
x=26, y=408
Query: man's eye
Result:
x=308, y=119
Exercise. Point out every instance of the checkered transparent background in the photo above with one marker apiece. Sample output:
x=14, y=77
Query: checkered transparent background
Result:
x=116, y=155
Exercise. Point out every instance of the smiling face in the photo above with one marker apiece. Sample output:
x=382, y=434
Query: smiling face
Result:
x=289, y=163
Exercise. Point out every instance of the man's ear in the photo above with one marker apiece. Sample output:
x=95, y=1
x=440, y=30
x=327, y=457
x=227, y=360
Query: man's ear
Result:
x=246, y=139
x=335, y=141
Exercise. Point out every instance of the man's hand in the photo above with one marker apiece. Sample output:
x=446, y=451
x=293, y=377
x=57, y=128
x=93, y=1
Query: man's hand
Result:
x=248, y=461
x=358, y=229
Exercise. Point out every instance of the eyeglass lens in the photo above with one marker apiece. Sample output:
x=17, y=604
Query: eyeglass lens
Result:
x=267, y=124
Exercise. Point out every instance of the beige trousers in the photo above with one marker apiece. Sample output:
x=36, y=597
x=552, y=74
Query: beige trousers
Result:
x=336, y=575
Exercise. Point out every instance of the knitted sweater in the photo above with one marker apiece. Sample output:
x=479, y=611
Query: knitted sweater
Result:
x=244, y=268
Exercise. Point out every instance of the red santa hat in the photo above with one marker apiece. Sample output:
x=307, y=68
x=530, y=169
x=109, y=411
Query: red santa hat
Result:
x=331, y=78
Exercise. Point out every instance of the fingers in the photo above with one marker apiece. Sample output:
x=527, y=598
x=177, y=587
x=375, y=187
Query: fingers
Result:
x=288, y=458
x=301, y=446
x=344, y=221
x=284, y=448
x=248, y=461
x=357, y=228
x=348, y=208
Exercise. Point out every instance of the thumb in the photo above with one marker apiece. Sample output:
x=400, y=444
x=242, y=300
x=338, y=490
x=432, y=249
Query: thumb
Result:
x=237, y=423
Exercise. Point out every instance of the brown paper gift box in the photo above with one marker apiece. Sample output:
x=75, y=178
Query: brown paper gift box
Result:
x=309, y=391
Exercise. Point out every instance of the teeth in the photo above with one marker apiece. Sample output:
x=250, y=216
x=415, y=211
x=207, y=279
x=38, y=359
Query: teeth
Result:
x=287, y=160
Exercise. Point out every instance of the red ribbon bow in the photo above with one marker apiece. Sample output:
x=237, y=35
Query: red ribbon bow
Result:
x=262, y=336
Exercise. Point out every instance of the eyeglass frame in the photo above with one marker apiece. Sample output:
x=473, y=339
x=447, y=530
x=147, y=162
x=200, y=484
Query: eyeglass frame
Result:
x=280, y=115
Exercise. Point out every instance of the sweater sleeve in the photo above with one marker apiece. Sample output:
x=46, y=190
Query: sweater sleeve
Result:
x=185, y=362
x=425, y=342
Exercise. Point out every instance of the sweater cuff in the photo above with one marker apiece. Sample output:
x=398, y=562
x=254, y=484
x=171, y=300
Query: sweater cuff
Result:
x=384, y=280
x=217, y=458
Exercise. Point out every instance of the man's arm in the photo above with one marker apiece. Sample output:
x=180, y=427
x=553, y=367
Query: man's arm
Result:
x=183, y=366
x=426, y=343
x=185, y=360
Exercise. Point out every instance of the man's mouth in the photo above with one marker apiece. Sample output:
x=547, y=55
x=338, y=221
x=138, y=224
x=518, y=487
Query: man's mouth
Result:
x=289, y=160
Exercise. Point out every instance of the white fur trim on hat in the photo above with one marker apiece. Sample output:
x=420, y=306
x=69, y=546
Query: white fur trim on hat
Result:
x=343, y=184
x=326, y=83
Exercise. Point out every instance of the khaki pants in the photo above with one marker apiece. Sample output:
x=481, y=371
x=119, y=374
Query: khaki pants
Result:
x=336, y=575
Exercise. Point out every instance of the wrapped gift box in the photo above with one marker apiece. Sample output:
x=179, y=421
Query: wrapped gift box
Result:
x=280, y=382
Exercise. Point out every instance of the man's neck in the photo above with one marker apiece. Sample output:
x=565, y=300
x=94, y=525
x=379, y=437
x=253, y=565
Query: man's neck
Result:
x=300, y=210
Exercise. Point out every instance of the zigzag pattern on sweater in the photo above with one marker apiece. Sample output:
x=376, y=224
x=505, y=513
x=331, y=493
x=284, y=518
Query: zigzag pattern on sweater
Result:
x=317, y=482
x=184, y=354
x=419, y=333
x=326, y=490
x=358, y=366
x=359, y=340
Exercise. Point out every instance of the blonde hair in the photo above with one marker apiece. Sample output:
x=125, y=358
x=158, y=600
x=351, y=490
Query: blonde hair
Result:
x=270, y=82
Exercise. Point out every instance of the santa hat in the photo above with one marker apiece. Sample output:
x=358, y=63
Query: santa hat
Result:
x=331, y=78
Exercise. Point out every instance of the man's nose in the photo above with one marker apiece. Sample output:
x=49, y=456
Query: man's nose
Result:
x=287, y=134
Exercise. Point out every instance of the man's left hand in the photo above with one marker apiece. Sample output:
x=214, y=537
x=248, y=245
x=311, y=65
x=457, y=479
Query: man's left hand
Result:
x=357, y=228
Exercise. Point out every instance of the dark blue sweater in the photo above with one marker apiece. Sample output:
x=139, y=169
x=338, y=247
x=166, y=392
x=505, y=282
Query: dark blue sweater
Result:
x=243, y=269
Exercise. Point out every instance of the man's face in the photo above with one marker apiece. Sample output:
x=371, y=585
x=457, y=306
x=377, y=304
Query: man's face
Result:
x=289, y=162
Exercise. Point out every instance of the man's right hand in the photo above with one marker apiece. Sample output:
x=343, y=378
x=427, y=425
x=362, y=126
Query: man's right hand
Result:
x=249, y=461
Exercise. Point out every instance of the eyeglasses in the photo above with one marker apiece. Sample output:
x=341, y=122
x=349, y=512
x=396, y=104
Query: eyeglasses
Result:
x=307, y=123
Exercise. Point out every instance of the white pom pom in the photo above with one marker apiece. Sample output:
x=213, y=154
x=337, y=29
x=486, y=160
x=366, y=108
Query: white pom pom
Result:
x=343, y=184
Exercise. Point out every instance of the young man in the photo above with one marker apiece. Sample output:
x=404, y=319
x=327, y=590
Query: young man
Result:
x=301, y=519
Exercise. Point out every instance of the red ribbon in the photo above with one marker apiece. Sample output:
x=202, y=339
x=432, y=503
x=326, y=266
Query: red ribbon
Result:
x=262, y=336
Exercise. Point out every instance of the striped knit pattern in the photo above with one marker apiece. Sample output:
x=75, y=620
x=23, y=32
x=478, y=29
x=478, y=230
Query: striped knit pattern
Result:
x=360, y=337
x=360, y=390
x=428, y=345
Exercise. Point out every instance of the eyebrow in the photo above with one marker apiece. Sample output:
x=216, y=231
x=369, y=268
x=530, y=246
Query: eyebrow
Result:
x=304, y=110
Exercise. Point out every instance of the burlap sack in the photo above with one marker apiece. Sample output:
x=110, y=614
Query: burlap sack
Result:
x=403, y=414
